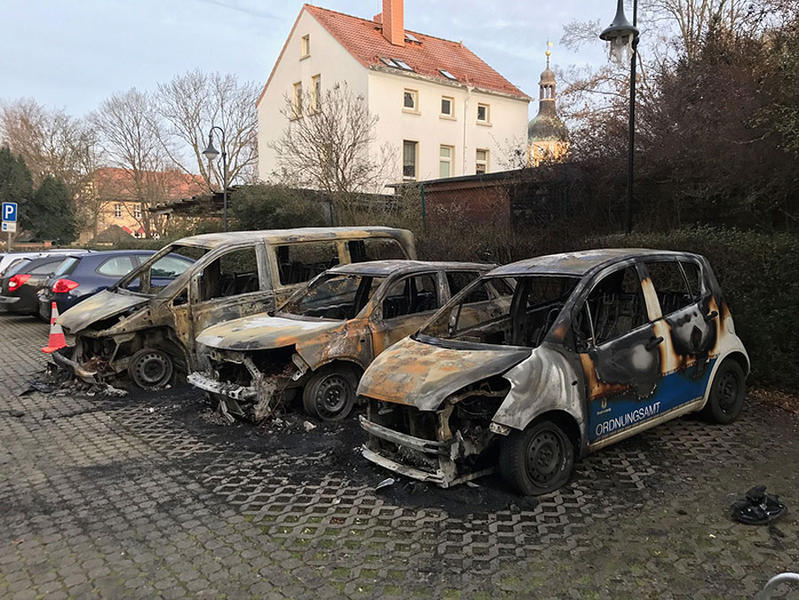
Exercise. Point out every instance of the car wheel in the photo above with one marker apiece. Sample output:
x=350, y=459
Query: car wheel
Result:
x=151, y=369
x=537, y=460
x=727, y=393
x=330, y=393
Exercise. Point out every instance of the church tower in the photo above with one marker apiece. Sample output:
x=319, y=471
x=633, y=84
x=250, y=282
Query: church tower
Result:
x=547, y=136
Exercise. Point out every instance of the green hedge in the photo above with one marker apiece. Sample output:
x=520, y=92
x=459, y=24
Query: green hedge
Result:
x=759, y=274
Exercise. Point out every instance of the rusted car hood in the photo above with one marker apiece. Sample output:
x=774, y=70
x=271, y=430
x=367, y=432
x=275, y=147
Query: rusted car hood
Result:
x=102, y=305
x=262, y=332
x=423, y=375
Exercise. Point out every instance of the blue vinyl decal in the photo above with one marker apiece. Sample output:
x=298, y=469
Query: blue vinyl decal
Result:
x=609, y=416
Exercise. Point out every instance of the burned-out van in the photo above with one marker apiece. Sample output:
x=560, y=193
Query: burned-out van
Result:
x=147, y=331
x=548, y=359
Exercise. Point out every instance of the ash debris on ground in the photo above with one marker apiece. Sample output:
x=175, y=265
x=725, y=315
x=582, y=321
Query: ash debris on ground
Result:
x=318, y=449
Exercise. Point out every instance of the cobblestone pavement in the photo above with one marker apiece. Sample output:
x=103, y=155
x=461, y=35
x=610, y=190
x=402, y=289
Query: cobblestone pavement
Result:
x=140, y=498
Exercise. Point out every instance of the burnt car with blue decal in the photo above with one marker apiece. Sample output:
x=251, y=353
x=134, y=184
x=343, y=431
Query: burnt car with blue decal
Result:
x=546, y=360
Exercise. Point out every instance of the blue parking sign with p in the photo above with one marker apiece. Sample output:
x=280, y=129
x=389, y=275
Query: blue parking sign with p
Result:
x=10, y=211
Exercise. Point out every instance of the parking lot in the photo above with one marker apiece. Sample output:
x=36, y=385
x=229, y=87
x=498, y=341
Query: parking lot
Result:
x=151, y=496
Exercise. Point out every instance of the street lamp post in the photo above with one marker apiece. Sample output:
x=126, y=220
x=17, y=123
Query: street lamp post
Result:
x=624, y=37
x=211, y=153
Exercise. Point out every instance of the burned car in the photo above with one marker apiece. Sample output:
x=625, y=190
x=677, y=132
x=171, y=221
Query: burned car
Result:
x=146, y=328
x=548, y=359
x=322, y=339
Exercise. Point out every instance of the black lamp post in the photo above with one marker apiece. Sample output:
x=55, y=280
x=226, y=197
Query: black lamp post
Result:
x=211, y=153
x=622, y=35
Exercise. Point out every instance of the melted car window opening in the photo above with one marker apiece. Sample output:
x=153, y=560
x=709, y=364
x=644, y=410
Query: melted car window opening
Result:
x=232, y=274
x=411, y=295
x=158, y=275
x=298, y=263
x=495, y=311
x=671, y=285
x=337, y=297
x=614, y=307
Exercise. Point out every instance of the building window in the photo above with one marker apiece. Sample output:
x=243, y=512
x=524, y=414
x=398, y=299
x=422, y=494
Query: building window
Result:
x=118, y=211
x=410, y=101
x=296, y=99
x=445, y=161
x=409, y=150
x=137, y=211
x=447, y=106
x=316, y=92
x=483, y=113
x=305, y=46
x=481, y=161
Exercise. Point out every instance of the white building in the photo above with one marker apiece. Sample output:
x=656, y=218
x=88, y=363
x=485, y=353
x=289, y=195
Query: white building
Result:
x=442, y=111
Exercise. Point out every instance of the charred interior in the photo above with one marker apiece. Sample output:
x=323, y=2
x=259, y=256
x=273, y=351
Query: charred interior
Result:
x=462, y=443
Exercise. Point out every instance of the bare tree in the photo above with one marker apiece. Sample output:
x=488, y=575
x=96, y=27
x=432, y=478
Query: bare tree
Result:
x=329, y=145
x=190, y=105
x=128, y=131
x=51, y=142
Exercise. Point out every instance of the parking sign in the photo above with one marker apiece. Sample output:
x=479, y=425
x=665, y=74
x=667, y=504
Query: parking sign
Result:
x=10, y=211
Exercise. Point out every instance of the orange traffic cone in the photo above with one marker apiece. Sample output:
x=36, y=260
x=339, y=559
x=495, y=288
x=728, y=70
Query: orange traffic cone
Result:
x=57, y=339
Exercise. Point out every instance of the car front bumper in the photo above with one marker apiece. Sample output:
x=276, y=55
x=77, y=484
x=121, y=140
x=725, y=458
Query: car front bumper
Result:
x=438, y=457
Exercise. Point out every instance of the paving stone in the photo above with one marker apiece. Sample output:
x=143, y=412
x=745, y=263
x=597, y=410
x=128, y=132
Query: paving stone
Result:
x=103, y=498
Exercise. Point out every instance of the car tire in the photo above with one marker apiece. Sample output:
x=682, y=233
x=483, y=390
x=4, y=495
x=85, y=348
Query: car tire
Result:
x=537, y=460
x=727, y=393
x=329, y=394
x=151, y=369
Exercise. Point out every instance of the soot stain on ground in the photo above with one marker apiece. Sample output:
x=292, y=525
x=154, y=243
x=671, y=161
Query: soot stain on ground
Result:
x=327, y=449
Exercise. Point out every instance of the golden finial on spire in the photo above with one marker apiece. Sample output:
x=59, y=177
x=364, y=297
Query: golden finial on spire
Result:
x=548, y=52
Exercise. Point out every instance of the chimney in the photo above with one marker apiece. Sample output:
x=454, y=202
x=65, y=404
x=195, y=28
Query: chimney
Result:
x=393, y=25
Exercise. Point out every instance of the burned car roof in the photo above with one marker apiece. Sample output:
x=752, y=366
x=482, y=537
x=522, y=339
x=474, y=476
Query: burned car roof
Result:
x=579, y=263
x=384, y=268
x=214, y=240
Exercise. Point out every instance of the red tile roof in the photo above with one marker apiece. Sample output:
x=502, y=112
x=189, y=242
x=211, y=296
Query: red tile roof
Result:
x=363, y=39
x=118, y=183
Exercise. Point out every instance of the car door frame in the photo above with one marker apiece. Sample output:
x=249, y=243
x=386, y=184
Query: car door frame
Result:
x=281, y=291
x=225, y=308
x=378, y=325
x=603, y=393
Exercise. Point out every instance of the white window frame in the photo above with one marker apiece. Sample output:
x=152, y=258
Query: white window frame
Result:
x=485, y=163
x=415, y=176
x=487, y=120
x=449, y=161
x=118, y=210
x=137, y=211
x=415, y=95
x=451, y=113
x=305, y=46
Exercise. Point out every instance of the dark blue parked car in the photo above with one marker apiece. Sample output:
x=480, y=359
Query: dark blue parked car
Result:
x=80, y=277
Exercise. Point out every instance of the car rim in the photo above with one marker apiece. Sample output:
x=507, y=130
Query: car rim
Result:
x=152, y=369
x=332, y=396
x=728, y=392
x=544, y=457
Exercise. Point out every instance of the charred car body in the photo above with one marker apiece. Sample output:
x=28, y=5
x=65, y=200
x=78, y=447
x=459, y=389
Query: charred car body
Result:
x=322, y=339
x=548, y=359
x=148, y=331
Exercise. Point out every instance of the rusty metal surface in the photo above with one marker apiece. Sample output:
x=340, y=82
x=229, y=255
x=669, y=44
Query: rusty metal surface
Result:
x=384, y=268
x=635, y=379
x=163, y=322
x=580, y=263
x=423, y=375
x=99, y=307
x=301, y=234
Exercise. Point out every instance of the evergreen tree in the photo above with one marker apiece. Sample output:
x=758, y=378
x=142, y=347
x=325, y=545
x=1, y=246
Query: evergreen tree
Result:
x=52, y=216
x=16, y=184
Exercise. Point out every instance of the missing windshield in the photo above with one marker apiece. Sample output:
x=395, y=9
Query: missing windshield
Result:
x=517, y=311
x=333, y=297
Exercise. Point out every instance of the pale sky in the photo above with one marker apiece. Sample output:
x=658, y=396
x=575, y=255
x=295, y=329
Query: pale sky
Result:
x=73, y=54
